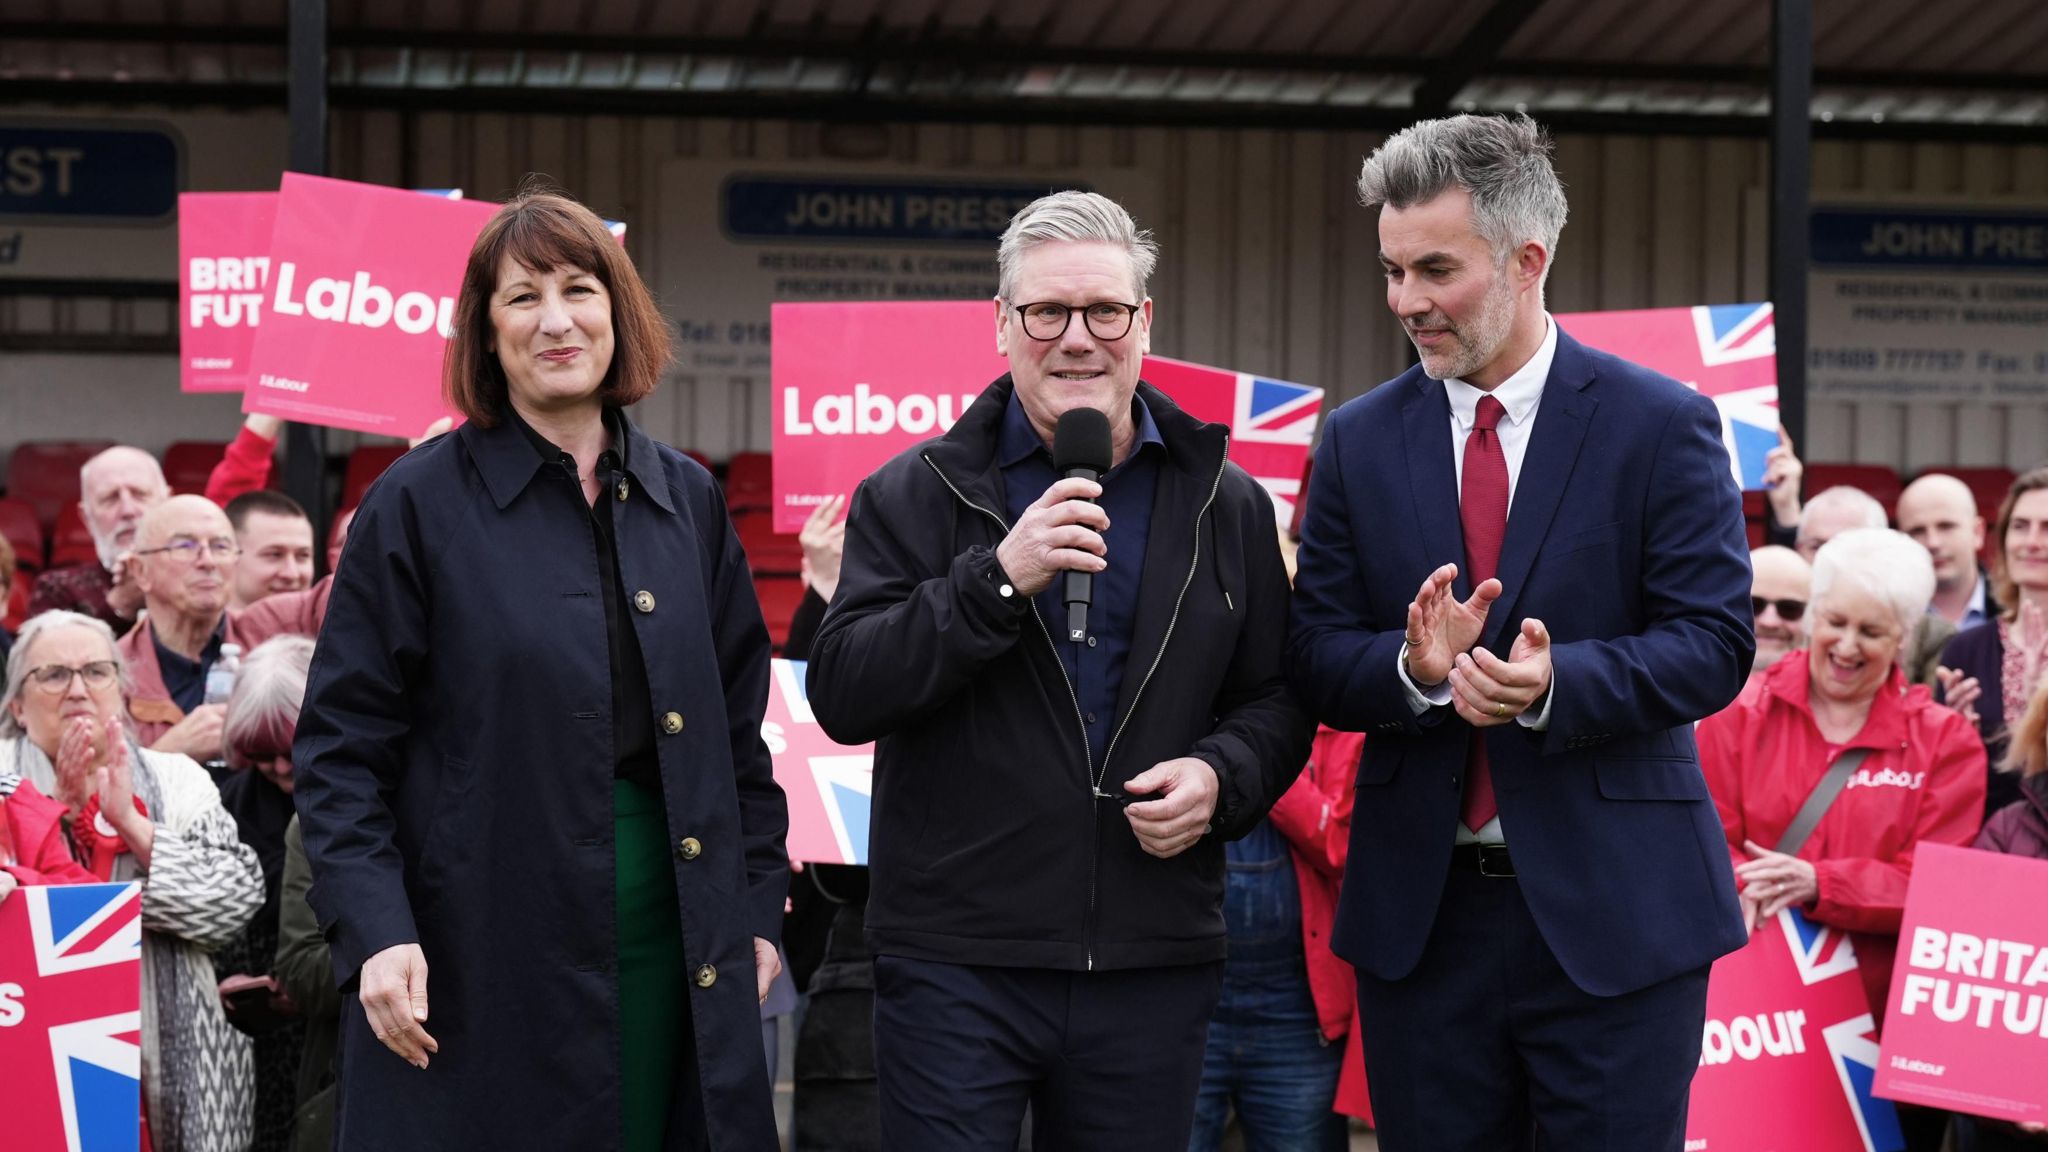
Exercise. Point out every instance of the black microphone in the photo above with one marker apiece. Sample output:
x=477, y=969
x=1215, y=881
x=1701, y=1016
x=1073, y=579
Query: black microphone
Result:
x=1080, y=447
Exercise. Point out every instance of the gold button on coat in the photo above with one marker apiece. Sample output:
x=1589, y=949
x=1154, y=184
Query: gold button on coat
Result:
x=625, y=488
x=706, y=976
x=643, y=600
x=688, y=848
x=671, y=722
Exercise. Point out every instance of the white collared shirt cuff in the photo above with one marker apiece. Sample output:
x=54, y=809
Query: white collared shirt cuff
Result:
x=1418, y=700
x=1541, y=721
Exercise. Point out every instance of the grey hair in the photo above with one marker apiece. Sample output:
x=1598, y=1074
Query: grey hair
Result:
x=1889, y=565
x=1502, y=161
x=270, y=689
x=1076, y=216
x=1847, y=499
x=85, y=470
x=18, y=666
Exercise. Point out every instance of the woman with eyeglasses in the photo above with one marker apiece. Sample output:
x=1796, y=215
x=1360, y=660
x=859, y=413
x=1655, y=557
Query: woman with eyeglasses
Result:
x=1912, y=770
x=153, y=817
x=2008, y=657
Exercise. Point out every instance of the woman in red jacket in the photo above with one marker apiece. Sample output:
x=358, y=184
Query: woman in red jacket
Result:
x=1923, y=778
x=33, y=849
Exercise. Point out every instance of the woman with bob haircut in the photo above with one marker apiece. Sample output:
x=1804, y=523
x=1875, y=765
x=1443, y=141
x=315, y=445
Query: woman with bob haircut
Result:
x=530, y=761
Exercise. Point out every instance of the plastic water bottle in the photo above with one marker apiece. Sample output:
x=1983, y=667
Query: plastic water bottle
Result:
x=220, y=679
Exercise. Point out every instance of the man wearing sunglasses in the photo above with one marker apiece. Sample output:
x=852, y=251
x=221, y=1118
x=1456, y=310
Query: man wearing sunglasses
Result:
x=1050, y=803
x=185, y=556
x=1779, y=580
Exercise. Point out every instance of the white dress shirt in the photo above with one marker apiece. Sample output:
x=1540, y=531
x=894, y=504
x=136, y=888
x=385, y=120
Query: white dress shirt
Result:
x=1520, y=395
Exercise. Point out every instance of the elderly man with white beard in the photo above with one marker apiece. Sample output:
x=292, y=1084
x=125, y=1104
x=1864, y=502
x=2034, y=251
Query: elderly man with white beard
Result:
x=116, y=489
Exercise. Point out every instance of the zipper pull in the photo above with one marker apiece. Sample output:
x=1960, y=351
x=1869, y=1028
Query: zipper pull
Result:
x=1228, y=603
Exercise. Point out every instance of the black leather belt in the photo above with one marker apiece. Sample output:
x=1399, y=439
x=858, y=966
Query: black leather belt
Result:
x=1485, y=859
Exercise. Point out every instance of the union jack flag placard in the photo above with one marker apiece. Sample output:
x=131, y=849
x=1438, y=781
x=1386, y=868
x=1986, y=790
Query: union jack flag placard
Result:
x=1726, y=351
x=71, y=1018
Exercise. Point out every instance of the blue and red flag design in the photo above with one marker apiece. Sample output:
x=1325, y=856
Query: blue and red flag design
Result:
x=1725, y=351
x=70, y=1017
x=1272, y=422
x=1789, y=1055
x=829, y=787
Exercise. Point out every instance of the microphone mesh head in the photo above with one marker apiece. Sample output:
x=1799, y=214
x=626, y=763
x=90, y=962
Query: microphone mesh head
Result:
x=1081, y=441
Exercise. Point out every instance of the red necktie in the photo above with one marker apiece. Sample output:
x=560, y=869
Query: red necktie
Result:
x=1483, y=510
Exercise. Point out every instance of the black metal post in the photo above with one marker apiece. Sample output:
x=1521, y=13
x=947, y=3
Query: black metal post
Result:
x=1791, y=188
x=305, y=462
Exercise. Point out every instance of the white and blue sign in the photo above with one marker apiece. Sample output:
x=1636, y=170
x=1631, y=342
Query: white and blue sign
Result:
x=1933, y=238
x=1929, y=302
x=62, y=174
x=785, y=209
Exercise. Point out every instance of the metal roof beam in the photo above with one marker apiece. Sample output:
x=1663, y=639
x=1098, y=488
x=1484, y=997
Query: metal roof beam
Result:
x=872, y=48
x=834, y=107
x=1476, y=53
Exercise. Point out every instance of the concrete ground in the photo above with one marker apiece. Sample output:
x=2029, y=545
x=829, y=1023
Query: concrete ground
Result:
x=1361, y=1140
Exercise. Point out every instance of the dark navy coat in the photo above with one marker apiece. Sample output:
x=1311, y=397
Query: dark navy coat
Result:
x=455, y=765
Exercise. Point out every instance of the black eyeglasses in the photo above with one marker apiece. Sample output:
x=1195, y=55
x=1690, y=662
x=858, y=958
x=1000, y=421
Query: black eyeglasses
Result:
x=1788, y=610
x=1048, y=320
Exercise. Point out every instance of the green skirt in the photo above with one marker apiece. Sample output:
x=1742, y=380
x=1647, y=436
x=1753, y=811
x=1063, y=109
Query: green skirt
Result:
x=654, y=1011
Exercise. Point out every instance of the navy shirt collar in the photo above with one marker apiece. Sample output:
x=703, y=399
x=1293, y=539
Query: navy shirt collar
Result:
x=185, y=680
x=1018, y=440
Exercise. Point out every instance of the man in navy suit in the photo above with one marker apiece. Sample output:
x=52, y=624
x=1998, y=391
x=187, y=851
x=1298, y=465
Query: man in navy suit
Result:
x=1524, y=573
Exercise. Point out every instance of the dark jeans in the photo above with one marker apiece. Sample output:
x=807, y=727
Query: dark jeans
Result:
x=1266, y=1056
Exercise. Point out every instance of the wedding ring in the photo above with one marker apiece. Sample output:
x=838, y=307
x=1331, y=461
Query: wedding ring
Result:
x=1499, y=709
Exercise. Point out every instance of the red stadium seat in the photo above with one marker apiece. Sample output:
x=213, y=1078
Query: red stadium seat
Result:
x=365, y=464
x=188, y=465
x=17, y=602
x=768, y=552
x=46, y=473
x=24, y=532
x=1881, y=482
x=749, y=480
x=72, y=542
x=779, y=596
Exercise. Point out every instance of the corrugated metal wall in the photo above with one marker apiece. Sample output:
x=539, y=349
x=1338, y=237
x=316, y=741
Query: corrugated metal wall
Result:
x=1268, y=263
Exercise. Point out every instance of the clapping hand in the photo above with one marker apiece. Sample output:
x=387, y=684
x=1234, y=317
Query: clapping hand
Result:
x=1959, y=692
x=1487, y=690
x=1441, y=628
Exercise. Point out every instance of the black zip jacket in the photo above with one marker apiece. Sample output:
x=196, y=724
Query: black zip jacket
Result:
x=989, y=844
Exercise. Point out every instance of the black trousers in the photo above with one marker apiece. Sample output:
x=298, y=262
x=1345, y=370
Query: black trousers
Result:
x=1487, y=1046
x=1107, y=1061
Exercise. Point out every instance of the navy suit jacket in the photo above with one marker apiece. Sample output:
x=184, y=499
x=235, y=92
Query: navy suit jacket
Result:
x=1625, y=538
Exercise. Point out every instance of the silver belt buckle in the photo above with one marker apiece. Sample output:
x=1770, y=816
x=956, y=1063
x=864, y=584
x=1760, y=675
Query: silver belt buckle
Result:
x=1487, y=852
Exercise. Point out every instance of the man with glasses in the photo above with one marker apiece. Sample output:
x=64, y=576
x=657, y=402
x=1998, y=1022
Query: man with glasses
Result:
x=184, y=559
x=1049, y=811
x=1778, y=582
